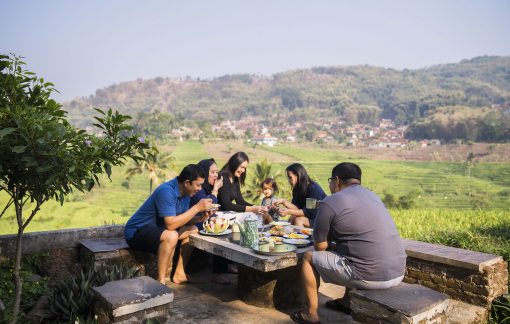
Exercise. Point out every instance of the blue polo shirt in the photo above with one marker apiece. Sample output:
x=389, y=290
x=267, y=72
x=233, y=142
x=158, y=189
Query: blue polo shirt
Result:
x=165, y=201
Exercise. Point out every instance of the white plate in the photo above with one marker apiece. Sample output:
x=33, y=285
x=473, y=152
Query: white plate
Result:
x=303, y=236
x=265, y=234
x=294, y=242
x=280, y=223
x=204, y=232
x=263, y=239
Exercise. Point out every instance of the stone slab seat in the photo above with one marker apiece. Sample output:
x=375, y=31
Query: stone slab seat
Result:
x=132, y=300
x=405, y=303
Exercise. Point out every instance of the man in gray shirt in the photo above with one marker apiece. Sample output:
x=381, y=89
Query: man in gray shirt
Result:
x=356, y=244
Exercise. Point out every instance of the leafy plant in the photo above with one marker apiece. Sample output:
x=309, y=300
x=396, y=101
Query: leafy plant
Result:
x=156, y=164
x=261, y=172
x=75, y=296
x=43, y=157
x=30, y=293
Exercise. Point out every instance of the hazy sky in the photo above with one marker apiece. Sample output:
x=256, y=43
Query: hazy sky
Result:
x=81, y=46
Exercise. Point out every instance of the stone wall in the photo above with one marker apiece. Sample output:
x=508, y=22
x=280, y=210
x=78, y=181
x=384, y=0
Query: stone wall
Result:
x=62, y=245
x=471, y=286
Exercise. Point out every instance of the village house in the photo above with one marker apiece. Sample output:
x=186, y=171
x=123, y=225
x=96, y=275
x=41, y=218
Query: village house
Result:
x=267, y=139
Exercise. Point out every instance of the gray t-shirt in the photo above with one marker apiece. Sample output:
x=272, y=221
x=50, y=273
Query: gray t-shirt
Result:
x=356, y=219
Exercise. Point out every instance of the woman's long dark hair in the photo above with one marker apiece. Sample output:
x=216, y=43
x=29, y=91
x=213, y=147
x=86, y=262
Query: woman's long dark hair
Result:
x=301, y=188
x=233, y=163
x=206, y=165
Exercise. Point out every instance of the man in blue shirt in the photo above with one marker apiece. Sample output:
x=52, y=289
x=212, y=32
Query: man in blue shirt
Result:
x=165, y=218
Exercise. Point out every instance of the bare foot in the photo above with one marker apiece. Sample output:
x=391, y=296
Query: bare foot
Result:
x=313, y=318
x=219, y=279
x=185, y=279
x=231, y=269
x=163, y=281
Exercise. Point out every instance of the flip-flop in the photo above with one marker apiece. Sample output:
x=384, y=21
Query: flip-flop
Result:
x=338, y=307
x=298, y=318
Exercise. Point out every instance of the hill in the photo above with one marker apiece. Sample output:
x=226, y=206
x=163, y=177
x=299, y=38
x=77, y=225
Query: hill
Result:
x=360, y=93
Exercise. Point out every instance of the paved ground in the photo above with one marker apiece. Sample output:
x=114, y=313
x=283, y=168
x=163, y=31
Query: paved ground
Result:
x=213, y=303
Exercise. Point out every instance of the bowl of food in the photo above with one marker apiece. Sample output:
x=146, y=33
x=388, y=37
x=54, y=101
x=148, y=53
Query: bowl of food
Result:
x=215, y=206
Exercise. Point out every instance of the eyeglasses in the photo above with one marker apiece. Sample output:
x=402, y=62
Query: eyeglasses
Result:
x=329, y=179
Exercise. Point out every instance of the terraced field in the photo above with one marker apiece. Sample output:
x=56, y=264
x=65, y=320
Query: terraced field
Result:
x=444, y=184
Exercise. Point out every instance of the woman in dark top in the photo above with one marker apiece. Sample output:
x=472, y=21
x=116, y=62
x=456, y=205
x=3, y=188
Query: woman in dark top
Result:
x=233, y=174
x=210, y=190
x=302, y=188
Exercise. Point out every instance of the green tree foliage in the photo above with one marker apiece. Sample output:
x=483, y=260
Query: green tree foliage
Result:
x=471, y=161
x=158, y=165
x=44, y=157
x=407, y=201
x=361, y=93
x=261, y=172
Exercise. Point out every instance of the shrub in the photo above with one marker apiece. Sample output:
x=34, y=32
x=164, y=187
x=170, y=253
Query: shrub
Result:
x=74, y=298
x=30, y=292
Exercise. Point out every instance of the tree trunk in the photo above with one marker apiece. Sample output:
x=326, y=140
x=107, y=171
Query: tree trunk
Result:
x=18, y=281
x=469, y=172
x=150, y=188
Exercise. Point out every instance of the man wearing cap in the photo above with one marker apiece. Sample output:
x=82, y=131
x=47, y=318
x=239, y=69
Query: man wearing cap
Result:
x=356, y=244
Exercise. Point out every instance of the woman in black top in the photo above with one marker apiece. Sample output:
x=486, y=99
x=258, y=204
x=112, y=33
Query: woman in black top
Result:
x=234, y=174
x=302, y=187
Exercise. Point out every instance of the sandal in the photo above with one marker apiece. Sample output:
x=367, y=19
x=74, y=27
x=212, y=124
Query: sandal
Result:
x=298, y=318
x=338, y=307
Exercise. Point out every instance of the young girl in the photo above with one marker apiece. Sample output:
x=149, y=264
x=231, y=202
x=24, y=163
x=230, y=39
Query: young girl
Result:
x=269, y=187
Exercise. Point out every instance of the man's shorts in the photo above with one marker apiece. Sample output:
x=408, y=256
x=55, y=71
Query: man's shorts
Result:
x=335, y=268
x=146, y=239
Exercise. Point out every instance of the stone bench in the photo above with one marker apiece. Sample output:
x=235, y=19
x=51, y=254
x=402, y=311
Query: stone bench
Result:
x=108, y=251
x=469, y=276
x=405, y=303
x=132, y=301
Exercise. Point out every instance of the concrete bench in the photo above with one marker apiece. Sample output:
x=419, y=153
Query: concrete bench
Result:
x=405, y=303
x=132, y=301
x=469, y=276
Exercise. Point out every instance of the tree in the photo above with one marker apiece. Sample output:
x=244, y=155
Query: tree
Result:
x=219, y=119
x=491, y=148
x=262, y=171
x=157, y=165
x=248, y=133
x=470, y=160
x=44, y=157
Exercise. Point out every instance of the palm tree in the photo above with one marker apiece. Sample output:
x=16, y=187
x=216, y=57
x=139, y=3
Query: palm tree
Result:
x=470, y=160
x=157, y=165
x=261, y=172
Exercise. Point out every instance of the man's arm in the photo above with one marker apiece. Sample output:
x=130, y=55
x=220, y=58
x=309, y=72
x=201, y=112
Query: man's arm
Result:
x=174, y=222
x=324, y=246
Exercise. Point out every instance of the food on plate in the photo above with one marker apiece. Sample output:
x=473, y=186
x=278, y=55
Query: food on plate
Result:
x=296, y=236
x=276, y=239
x=299, y=242
x=216, y=225
x=307, y=231
x=215, y=206
x=277, y=230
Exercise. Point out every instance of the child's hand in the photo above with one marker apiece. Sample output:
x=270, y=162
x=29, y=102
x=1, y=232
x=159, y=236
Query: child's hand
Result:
x=273, y=208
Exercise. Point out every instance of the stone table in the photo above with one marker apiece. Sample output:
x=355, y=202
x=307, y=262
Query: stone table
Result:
x=263, y=281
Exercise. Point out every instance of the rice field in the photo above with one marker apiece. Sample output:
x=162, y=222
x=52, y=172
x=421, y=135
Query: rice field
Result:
x=446, y=191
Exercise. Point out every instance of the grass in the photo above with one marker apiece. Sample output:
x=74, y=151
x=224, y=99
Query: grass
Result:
x=115, y=202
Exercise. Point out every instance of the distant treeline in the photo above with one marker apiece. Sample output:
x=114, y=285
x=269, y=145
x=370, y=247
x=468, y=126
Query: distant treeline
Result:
x=423, y=98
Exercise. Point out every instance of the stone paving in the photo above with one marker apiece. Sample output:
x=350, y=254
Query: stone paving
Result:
x=213, y=303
